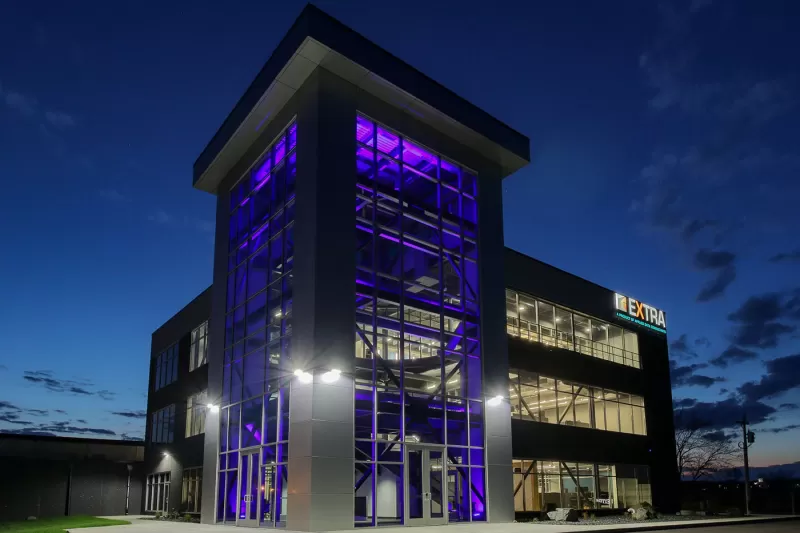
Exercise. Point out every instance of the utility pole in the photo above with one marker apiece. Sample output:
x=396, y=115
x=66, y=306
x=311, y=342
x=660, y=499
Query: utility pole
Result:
x=748, y=438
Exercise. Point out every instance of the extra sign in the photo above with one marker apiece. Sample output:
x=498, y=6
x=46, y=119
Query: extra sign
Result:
x=640, y=313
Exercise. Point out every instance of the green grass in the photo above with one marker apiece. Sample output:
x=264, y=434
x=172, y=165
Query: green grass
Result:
x=58, y=524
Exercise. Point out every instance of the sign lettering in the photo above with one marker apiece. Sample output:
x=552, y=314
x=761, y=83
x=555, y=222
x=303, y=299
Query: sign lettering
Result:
x=640, y=313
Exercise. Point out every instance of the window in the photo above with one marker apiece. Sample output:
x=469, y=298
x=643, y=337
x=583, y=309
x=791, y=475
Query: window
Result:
x=166, y=367
x=163, y=424
x=196, y=408
x=157, y=497
x=542, y=399
x=191, y=490
x=416, y=335
x=546, y=485
x=538, y=321
x=198, y=350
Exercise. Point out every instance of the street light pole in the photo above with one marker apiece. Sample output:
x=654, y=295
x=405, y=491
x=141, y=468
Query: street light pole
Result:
x=748, y=437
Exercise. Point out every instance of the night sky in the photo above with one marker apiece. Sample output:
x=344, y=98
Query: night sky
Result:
x=664, y=166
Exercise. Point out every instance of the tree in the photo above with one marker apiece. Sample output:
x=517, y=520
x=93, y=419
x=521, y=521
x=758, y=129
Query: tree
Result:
x=701, y=452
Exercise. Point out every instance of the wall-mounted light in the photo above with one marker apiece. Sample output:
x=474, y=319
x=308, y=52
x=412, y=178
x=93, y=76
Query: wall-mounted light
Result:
x=331, y=375
x=303, y=376
x=166, y=454
x=494, y=402
x=213, y=408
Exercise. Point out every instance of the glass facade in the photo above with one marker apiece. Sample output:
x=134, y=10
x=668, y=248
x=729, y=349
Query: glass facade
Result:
x=547, y=485
x=196, y=414
x=166, y=367
x=417, y=341
x=535, y=320
x=543, y=399
x=163, y=425
x=157, y=495
x=191, y=489
x=198, y=349
x=254, y=429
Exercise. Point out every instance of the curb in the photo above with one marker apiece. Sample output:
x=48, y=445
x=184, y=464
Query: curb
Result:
x=685, y=525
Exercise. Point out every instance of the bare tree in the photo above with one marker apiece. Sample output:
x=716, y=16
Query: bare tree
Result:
x=701, y=452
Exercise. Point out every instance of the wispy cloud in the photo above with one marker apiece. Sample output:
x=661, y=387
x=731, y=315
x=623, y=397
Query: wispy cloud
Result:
x=163, y=218
x=112, y=195
x=59, y=119
x=130, y=414
x=46, y=379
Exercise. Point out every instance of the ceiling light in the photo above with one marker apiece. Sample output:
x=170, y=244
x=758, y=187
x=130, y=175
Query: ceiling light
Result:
x=278, y=314
x=213, y=408
x=521, y=308
x=331, y=375
x=494, y=402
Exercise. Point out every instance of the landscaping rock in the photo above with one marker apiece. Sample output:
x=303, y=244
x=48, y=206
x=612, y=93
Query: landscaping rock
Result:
x=641, y=513
x=564, y=514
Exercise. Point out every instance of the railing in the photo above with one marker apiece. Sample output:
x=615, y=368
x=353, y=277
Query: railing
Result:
x=562, y=339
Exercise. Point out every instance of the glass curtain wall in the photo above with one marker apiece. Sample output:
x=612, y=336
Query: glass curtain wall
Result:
x=539, y=398
x=547, y=485
x=258, y=329
x=538, y=321
x=418, y=368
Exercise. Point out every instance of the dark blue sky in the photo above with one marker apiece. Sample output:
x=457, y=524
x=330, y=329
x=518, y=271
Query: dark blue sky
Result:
x=665, y=166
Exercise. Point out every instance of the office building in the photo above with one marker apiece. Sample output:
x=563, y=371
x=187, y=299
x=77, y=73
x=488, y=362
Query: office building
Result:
x=362, y=370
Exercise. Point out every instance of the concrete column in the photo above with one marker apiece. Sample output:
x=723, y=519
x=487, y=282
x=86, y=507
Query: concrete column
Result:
x=320, y=494
x=216, y=341
x=499, y=476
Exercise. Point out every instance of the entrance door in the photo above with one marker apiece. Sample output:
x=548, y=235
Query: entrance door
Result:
x=425, y=486
x=247, y=513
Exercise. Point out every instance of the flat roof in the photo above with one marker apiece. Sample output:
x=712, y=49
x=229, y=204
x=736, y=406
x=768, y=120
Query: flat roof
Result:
x=318, y=40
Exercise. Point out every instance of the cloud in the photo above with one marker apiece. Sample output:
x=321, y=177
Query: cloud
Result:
x=783, y=374
x=719, y=435
x=81, y=421
x=161, y=217
x=722, y=414
x=684, y=376
x=693, y=227
x=716, y=287
x=3, y=368
x=683, y=403
x=785, y=257
x=788, y=406
x=705, y=259
x=783, y=429
x=732, y=355
x=28, y=431
x=702, y=341
x=12, y=413
x=127, y=436
x=26, y=105
x=130, y=414
x=760, y=322
x=112, y=195
x=680, y=348
x=46, y=379
x=59, y=119
x=60, y=411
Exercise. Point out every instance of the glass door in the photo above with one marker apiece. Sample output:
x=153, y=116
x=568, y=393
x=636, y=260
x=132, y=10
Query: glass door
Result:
x=247, y=512
x=425, y=487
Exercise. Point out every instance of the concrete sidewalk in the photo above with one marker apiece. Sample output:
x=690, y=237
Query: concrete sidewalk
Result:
x=157, y=526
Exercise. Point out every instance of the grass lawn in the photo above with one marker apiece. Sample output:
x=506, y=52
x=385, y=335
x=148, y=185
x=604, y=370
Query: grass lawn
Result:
x=58, y=524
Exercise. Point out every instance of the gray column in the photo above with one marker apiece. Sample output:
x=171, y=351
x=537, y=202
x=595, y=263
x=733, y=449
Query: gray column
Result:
x=499, y=476
x=216, y=341
x=320, y=495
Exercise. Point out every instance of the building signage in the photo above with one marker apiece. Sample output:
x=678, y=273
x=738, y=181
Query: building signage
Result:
x=640, y=313
x=603, y=501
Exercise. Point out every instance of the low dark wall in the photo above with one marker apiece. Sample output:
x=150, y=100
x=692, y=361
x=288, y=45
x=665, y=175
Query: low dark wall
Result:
x=45, y=488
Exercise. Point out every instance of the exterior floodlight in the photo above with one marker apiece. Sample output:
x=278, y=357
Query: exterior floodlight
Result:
x=331, y=375
x=213, y=408
x=303, y=376
x=494, y=402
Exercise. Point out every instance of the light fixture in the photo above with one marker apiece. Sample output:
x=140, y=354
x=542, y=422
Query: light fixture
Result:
x=303, y=376
x=166, y=454
x=494, y=402
x=521, y=308
x=278, y=313
x=213, y=408
x=331, y=375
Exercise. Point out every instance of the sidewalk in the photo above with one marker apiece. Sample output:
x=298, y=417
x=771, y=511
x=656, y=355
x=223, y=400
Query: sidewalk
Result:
x=157, y=526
